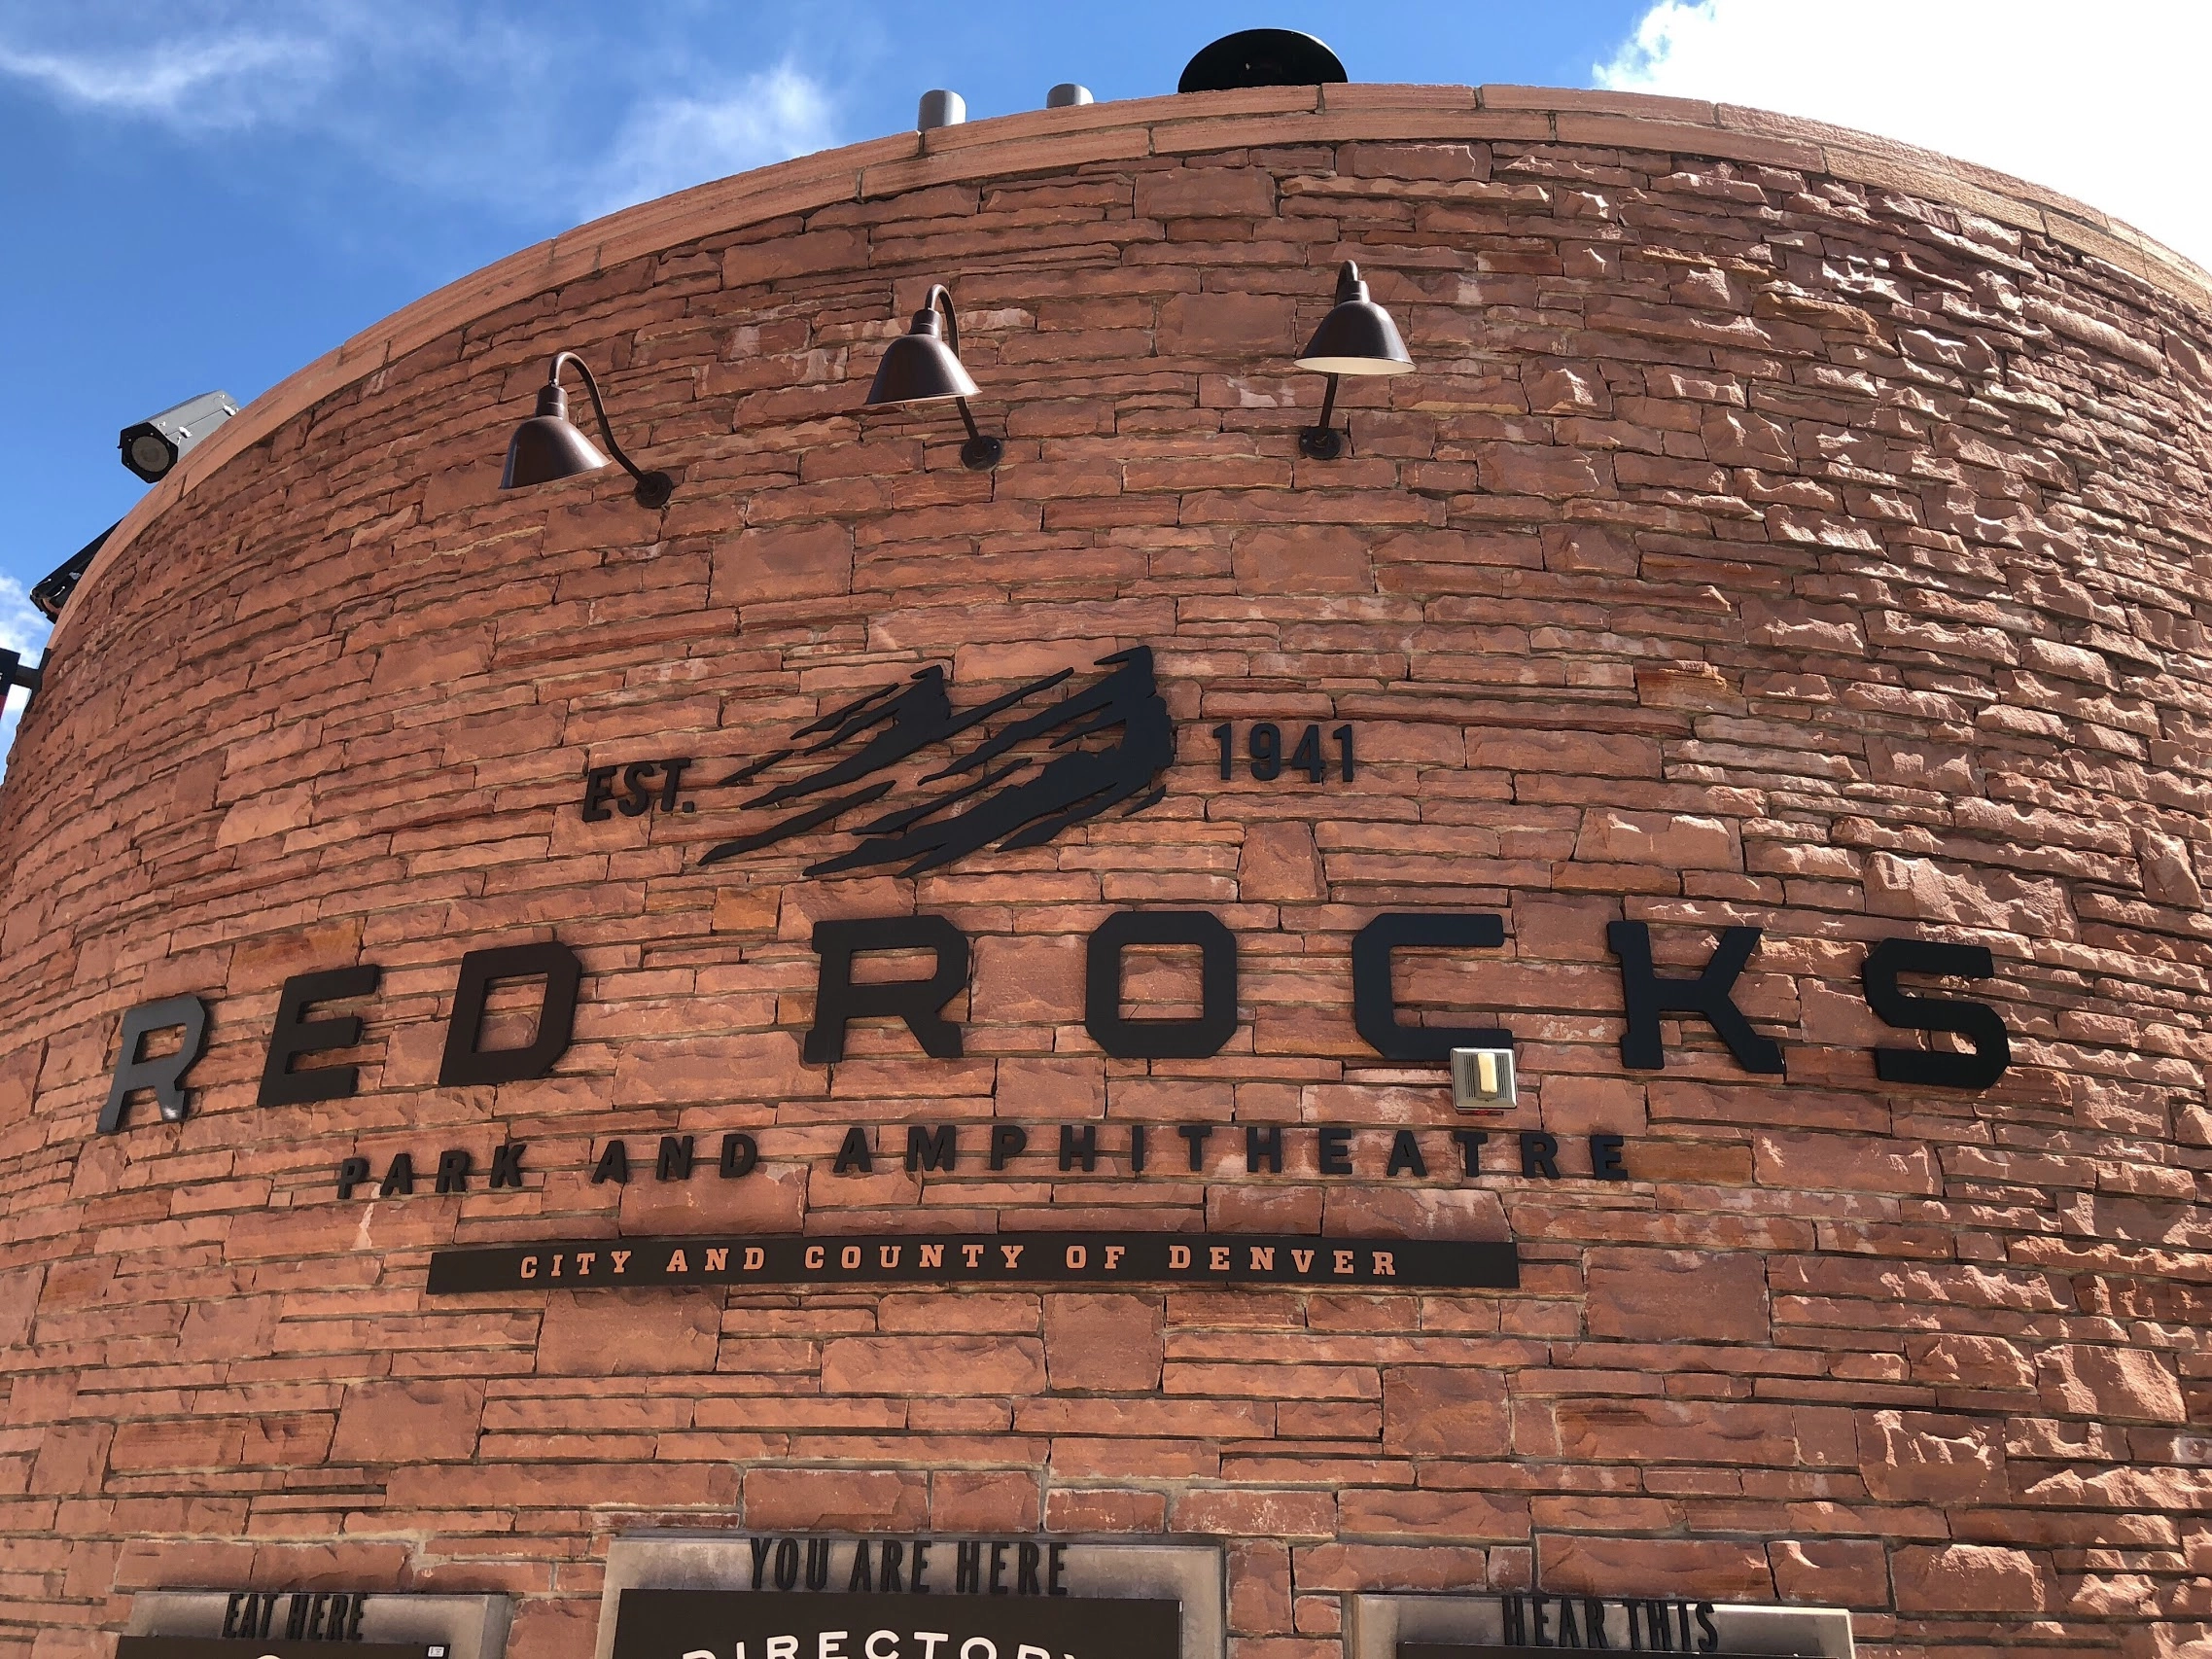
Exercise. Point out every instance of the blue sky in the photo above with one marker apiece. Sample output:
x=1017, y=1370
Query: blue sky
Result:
x=212, y=193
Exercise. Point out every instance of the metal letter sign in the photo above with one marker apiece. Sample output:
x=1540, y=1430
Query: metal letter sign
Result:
x=1000, y=795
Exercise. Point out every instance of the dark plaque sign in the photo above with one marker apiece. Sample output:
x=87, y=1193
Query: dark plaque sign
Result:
x=1603, y=1623
x=1527, y=1622
x=268, y=1647
x=769, y=1624
x=981, y=1259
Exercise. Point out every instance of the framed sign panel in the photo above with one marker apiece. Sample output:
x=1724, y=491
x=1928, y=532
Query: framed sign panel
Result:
x=908, y=1596
x=773, y=1624
x=1517, y=1623
x=299, y=1624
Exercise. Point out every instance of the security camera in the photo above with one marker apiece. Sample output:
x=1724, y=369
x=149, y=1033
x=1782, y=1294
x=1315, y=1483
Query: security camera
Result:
x=56, y=585
x=160, y=441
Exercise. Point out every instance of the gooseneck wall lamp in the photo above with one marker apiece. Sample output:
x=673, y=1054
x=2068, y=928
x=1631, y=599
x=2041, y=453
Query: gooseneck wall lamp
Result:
x=549, y=446
x=1355, y=338
x=922, y=366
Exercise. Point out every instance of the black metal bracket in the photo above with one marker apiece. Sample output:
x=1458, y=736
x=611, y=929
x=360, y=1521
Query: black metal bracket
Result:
x=56, y=585
x=1321, y=442
x=13, y=672
x=981, y=453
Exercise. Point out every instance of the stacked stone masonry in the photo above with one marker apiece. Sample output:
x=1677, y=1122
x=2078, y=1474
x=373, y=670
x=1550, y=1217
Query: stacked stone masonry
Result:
x=1780, y=529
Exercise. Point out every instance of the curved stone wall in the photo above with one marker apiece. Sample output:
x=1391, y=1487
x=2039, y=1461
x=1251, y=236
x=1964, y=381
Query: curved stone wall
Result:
x=1782, y=530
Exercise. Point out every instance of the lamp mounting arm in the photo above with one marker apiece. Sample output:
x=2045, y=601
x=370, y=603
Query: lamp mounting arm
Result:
x=1321, y=442
x=652, y=489
x=940, y=299
x=980, y=453
x=1328, y=403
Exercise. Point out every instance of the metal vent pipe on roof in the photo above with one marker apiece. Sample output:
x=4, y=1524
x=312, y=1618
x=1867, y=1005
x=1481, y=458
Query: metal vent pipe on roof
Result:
x=940, y=108
x=1068, y=95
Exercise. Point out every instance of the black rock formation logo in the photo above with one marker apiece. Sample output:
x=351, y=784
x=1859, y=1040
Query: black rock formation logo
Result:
x=1019, y=785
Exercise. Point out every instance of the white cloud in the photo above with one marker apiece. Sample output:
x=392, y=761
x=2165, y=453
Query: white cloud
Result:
x=666, y=144
x=476, y=102
x=23, y=631
x=2103, y=102
x=213, y=80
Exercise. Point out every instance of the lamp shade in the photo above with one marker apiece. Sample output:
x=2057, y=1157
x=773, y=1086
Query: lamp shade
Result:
x=918, y=367
x=1357, y=335
x=549, y=446
x=1261, y=57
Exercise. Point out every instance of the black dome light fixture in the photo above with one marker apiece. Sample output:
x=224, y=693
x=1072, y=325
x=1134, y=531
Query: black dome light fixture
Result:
x=1262, y=57
x=549, y=446
x=922, y=366
x=1355, y=338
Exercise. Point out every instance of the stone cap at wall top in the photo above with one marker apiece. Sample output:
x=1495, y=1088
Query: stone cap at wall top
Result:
x=1172, y=124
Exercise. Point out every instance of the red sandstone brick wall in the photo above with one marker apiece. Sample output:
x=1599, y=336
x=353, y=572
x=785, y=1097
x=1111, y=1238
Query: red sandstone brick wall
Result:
x=1768, y=536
